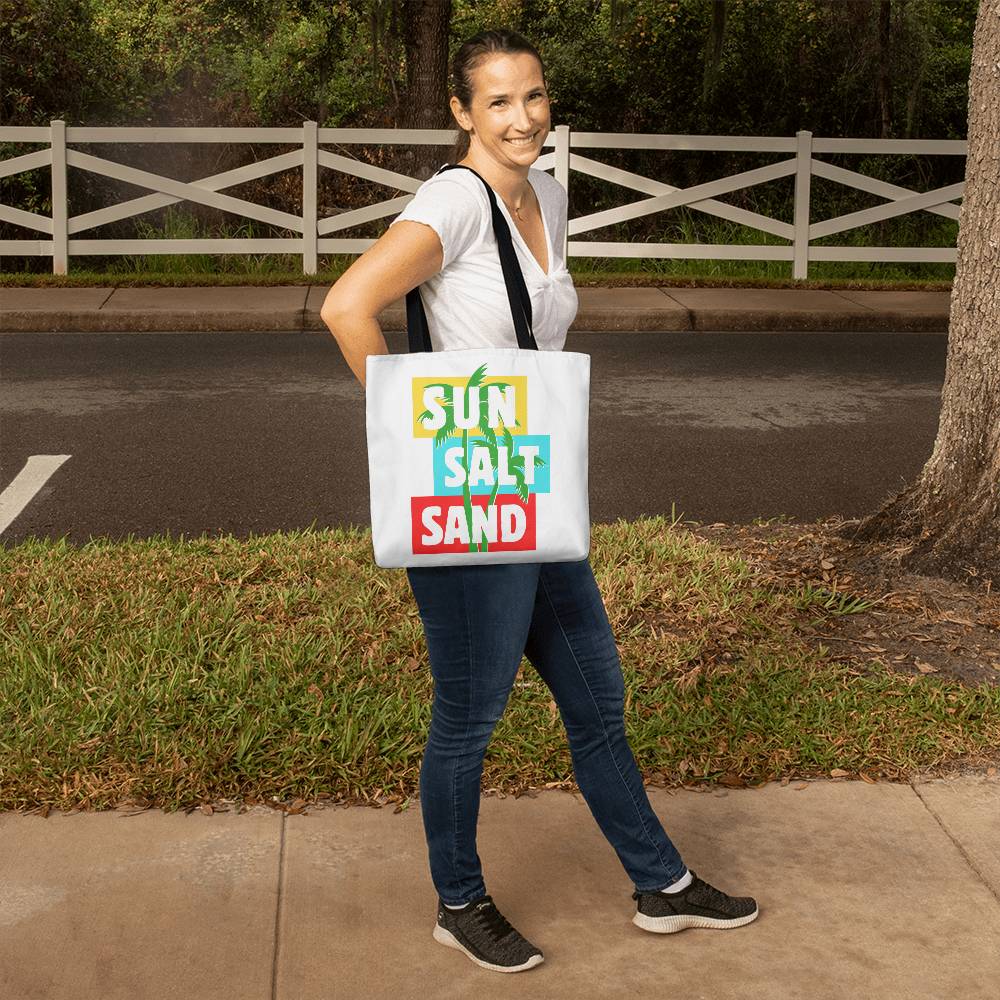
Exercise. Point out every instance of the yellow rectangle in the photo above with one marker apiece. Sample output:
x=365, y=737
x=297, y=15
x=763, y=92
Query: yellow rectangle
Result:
x=436, y=416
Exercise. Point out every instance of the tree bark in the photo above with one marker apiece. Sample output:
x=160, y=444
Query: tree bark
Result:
x=947, y=522
x=713, y=51
x=884, y=69
x=425, y=104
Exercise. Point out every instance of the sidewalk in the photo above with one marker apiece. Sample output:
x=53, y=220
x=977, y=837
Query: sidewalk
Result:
x=296, y=308
x=865, y=891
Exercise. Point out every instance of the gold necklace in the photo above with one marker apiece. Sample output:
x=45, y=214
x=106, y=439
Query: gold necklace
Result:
x=517, y=211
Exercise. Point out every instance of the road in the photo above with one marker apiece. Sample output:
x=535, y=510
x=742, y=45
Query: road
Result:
x=258, y=432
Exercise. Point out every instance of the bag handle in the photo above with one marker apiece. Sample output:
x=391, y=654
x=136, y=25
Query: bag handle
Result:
x=417, y=331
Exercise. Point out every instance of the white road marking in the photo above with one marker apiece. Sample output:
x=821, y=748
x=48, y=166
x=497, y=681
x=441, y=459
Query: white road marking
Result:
x=26, y=484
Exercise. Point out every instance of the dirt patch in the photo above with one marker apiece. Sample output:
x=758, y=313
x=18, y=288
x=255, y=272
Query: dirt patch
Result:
x=918, y=624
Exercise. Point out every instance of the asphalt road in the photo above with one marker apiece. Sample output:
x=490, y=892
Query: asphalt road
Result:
x=256, y=432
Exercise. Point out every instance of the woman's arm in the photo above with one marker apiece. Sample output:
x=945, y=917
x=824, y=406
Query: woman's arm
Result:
x=406, y=254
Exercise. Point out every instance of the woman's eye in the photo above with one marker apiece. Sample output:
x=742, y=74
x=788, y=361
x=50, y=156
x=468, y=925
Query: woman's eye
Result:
x=536, y=94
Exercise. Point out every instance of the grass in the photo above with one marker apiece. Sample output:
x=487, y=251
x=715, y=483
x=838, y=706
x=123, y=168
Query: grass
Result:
x=171, y=672
x=685, y=226
x=584, y=276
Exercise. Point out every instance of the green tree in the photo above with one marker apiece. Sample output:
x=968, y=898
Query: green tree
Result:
x=948, y=520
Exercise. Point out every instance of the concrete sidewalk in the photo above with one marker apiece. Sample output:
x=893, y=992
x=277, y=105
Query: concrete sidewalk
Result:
x=865, y=891
x=296, y=308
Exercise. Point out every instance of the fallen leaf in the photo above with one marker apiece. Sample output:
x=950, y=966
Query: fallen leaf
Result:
x=731, y=780
x=805, y=784
x=867, y=777
x=925, y=668
x=839, y=773
x=946, y=616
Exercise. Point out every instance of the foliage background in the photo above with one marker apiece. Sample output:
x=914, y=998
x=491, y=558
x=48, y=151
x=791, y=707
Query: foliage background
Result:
x=865, y=68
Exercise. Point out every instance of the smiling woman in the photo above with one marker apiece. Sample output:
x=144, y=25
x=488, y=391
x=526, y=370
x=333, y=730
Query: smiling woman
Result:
x=481, y=619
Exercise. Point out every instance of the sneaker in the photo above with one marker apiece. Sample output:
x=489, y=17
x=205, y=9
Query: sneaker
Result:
x=699, y=905
x=483, y=933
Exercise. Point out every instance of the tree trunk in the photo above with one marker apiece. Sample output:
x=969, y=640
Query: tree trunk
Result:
x=425, y=105
x=947, y=523
x=884, y=70
x=713, y=52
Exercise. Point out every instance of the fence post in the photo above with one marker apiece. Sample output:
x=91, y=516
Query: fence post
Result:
x=803, y=174
x=562, y=175
x=60, y=209
x=310, y=162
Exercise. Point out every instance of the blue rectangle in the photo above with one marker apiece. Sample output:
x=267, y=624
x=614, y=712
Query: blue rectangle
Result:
x=448, y=481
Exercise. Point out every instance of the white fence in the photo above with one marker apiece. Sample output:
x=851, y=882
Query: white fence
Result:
x=314, y=233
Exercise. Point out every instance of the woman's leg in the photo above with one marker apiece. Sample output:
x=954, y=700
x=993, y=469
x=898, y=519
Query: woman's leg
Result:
x=571, y=645
x=476, y=621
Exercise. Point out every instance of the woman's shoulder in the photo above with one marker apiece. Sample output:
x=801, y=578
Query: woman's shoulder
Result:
x=462, y=179
x=450, y=180
x=455, y=192
x=546, y=185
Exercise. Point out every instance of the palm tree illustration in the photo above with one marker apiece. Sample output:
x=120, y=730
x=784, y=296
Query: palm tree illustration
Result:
x=489, y=439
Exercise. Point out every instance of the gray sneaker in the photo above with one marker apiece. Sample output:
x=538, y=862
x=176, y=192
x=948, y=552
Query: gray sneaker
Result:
x=699, y=905
x=481, y=931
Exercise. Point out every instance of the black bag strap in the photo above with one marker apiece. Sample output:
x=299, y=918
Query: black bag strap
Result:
x=418, y=334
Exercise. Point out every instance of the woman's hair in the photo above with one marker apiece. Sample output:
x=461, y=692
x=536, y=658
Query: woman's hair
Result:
x=469, y=57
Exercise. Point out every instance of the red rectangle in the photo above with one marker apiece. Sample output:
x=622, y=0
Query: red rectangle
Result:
x=439, y=523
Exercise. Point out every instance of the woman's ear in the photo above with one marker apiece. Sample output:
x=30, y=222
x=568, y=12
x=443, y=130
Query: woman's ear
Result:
x=459, y=115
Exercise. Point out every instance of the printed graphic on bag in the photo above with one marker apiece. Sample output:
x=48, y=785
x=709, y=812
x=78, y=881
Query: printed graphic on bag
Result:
x=481, y=451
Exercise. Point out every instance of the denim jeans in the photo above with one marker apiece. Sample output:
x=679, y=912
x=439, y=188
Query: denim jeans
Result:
x=478, y=621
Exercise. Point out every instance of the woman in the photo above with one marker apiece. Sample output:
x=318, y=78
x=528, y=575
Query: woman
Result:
x=479, y=619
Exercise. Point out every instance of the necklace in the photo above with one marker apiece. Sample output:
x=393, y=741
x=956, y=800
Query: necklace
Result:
x=517, y=210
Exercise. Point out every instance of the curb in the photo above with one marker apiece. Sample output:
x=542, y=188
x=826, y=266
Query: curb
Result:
x=596, y=320
x=296, y=309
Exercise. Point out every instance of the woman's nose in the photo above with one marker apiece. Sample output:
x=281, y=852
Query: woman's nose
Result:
x=522, y=120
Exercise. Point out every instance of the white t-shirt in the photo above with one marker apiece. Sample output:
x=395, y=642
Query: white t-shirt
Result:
x=466, y=301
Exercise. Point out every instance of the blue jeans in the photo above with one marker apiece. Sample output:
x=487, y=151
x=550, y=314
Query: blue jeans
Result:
x=478, y=621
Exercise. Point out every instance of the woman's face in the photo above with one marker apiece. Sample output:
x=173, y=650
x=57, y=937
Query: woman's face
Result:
x=509, y=101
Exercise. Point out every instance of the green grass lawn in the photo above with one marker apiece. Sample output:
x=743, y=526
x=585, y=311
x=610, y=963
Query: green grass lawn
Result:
x=583, y=277
x=170, y=671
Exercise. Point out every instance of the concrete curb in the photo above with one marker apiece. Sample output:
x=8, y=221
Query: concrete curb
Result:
x=296, y=309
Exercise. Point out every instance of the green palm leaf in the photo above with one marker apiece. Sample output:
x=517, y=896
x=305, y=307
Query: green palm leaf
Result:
x=517, y=468
x=476, y=377
x=508, y=439
x=448, y=427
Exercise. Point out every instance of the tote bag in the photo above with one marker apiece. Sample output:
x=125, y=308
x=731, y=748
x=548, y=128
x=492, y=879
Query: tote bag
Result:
x=478, y=455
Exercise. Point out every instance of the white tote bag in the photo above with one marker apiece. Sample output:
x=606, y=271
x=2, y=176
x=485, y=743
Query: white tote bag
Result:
x=479, y=455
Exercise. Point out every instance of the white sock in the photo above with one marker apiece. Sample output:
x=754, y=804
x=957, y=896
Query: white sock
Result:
x=681, y=883
x=459, y=907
